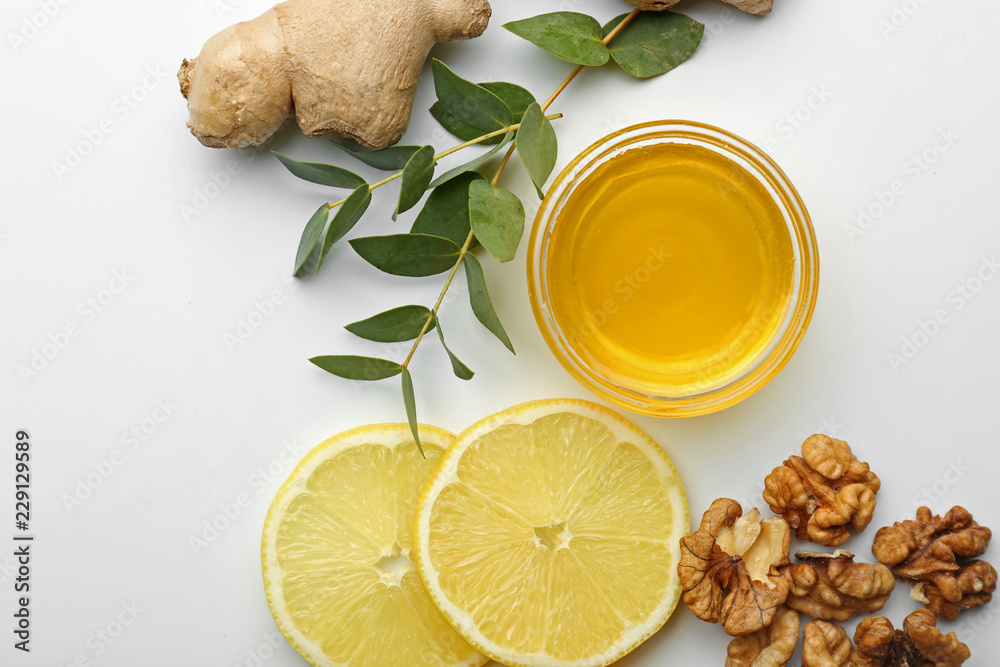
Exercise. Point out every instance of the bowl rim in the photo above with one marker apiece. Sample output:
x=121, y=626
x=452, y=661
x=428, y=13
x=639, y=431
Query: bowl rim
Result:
x=802, y=300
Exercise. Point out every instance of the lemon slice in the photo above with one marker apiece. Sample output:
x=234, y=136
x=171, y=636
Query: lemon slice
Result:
x=549, y=534
x=336, y=548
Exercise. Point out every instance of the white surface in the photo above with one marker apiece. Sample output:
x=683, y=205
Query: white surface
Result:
x=240, y=417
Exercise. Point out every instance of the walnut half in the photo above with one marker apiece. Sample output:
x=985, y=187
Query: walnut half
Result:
x=974, y=586
x=834, y=587
x=728, y=567
x=772, y=646
x=927, y=552
x=918, y=644
x=824, y=494
x=825, y=645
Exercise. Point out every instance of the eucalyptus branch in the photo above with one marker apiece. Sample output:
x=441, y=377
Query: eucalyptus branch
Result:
x=432, y=317
x=446, y=153
x=572, y=75
x=465, y=209
x=444, y=290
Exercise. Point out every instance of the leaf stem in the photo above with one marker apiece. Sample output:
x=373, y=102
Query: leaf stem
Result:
x=445, y=153
x=495, y=133
x=468, y=240
x=506, y=159
x=572, y=75
x=440, y=299
x=618, y=28
x=562, y=86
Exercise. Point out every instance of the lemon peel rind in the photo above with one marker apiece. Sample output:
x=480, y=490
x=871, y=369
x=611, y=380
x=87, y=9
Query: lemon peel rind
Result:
x=387, y=434
x=445, y=472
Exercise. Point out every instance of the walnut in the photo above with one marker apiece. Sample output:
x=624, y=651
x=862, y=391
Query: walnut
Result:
x=834, y=587
x=825, y=645
x=976, y=581
x=875, y=638
x=824, y=494
x=925, y=552
x=918, y=644
x=728, y=567
x=772, y=646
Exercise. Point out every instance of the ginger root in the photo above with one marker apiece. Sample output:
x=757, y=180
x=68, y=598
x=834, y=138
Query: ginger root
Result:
x=341, y=67
x=758, y=7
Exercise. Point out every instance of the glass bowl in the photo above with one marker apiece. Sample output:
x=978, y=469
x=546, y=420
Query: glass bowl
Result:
x=789, y=322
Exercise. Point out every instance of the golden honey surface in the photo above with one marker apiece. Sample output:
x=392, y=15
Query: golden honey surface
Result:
x=670, y=269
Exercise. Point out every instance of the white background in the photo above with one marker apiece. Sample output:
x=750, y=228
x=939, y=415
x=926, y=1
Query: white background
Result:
x=846, y=96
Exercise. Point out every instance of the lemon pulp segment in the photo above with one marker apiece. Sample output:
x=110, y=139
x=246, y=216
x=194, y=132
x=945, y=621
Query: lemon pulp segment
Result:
x=336, y=547
x=549, y=535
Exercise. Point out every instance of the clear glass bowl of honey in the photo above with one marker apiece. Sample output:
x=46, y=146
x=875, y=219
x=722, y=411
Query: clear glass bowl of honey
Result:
x=673, y=268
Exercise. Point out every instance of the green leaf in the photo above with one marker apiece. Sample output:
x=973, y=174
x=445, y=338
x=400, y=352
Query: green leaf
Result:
x=654, y=42
x=324, y=174
x=410, y=401
x=461, y=370
x=346, y=217
x=450, y=122
x=479, y=297
x=536, y=144
x=515, y=97
x=568, y=35
x=358, y=368
x=408, y=254
x=392, y=158
x=311, y=263
x=469, y=102
x=416, y=177
x=471, y=164
x=497, y=218
x=310, y=237
x=393, y=326
x=446, y=211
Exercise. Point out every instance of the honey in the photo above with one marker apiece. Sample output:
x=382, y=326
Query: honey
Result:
x=670, y=269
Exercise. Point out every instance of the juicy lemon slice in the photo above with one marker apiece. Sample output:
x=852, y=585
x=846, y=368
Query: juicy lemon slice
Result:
x=549, y=534
x=336, y=548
